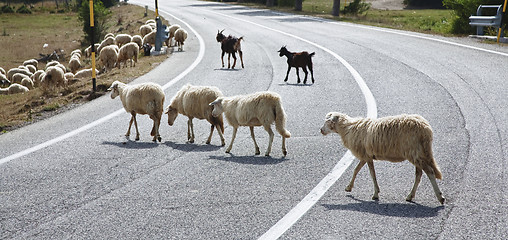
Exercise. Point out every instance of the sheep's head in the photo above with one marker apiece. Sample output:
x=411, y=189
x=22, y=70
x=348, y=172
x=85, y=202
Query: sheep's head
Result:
x=114, y=90
x=220, y=36
x=283, y=51
x=330, y=120
x=217, y=107
x=172, y=114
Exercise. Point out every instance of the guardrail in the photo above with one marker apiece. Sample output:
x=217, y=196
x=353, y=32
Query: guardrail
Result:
x=486, y=21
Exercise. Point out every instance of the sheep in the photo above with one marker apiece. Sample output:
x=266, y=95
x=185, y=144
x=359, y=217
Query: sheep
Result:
x=144, y=98
x=37, y=77
x=27, y=82
x=106, y=42
x=85, y=73
x=394, y=139
x=137, y=39
x=108, y=56
x=109, y=35
x=76, y=52
x=32, y=62
x=149, y=21
x=129, y=51
x=122, y=39
x=150, y=38
x=257, y=109
x=69, y=76
x=230, y=45
x=74, y=64
x=13, y=89
x=54, y=77
x=172, y=30
x=31, y=68
x=13, y=71
x=144, y=30
x=180, y=36
x=88, y=50
x=2, y=71
x=17, y=77
x=298, y=60
x=193, y=102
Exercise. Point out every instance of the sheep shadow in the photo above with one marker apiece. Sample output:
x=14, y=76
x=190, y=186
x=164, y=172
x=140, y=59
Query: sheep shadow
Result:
x=129, y=144
x=406, y=210
x=192, y=147
x=250, y=160
x=227, y=69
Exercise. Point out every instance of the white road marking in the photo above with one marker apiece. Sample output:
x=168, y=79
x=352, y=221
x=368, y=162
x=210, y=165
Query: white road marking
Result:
x=119, y=111
x=313, y=197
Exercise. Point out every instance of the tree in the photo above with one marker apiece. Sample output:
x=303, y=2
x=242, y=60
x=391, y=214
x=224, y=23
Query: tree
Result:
x=270, y=3
x=298, y=5
x=336, y=8
x=101, y=15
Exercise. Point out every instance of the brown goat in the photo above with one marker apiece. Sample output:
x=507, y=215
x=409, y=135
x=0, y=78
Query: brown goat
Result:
x=230, y=45
x=297, y=60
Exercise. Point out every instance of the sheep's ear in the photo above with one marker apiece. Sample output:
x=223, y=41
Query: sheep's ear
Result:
x=217, y=101
x=332, y=117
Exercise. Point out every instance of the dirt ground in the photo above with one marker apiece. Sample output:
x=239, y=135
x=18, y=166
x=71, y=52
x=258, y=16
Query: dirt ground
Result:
x=386, y=4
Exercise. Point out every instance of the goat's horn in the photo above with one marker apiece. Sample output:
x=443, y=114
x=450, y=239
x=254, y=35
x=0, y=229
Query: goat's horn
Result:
x=222, y=30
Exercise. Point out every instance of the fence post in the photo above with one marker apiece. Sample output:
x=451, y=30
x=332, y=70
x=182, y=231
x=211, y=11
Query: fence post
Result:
x=501, y=25
x=93, y=47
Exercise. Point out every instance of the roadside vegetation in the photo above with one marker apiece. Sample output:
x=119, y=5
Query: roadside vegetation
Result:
x=23, y=37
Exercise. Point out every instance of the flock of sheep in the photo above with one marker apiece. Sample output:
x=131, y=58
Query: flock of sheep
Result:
x=395, y=138
x=113, y=51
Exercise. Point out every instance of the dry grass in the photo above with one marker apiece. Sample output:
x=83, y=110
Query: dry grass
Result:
x=26, y=36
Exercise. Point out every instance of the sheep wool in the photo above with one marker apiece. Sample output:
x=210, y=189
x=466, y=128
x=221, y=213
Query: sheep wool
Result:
x=193, y=102
x=129, y=51
x=145, y=98
x=180, y=36
x=109, y=56
x=393, y=138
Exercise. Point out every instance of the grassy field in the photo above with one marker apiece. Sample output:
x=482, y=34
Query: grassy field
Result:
x=24, y=38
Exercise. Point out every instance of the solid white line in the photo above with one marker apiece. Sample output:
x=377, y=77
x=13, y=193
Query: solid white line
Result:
x=313, y=197
x=117, y=112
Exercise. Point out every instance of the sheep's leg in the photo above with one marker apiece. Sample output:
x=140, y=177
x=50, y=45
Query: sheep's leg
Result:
x=287, y=73
x=130, y=124
x=254, y=139
x=241, y=57
x=155, y=129
x=234, y=62
x=270, y=141
x=306, y=73
x=222, y=58
x=438, y=192
x=210, y=136
x=373, y=175
x=190, y=131
x=298, y=74
x=352, y=182
x=284, y=151
x=229, y=60
x=232, y=140
x=418, y=177
x=136, y=125
x=219, y=130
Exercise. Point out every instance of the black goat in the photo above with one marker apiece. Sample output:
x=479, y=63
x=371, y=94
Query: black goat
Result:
x=230, y=45
x=297, y=60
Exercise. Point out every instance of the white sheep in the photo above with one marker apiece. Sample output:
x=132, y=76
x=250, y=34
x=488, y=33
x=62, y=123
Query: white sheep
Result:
x=74, y=64
x=138, y=40
x=106, y=42
x=109, y=56
x=85, y=73
x=150, y=38
x=144, y=98
x=17, y=77
x=69, y=76
x=76, y=53
x=180, y=36
x=32, y=62
x=2, y=71
x=172, y=30
x=27, y=82
x=122, y=39
x=129, y=51
x=257, y=109
x=109, y=35
x=53, y=78
x=193, y=102
x=31, y=68
x=144, y=30
x=13, y=71
x=13, y=89
x=88, y=50
x=36, y=77
x=394, y=139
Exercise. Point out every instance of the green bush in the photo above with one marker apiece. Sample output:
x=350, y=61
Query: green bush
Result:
x=24, y=10
x=7, y=9
x=356, y=7
x=101, y=15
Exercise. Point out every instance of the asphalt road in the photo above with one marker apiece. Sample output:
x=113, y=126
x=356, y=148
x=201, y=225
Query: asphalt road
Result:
x=75, y=176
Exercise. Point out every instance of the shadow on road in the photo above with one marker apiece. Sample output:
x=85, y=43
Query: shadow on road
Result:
x=132, y=144
x=407, y=210
x=252, y=160
x=192, y=147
